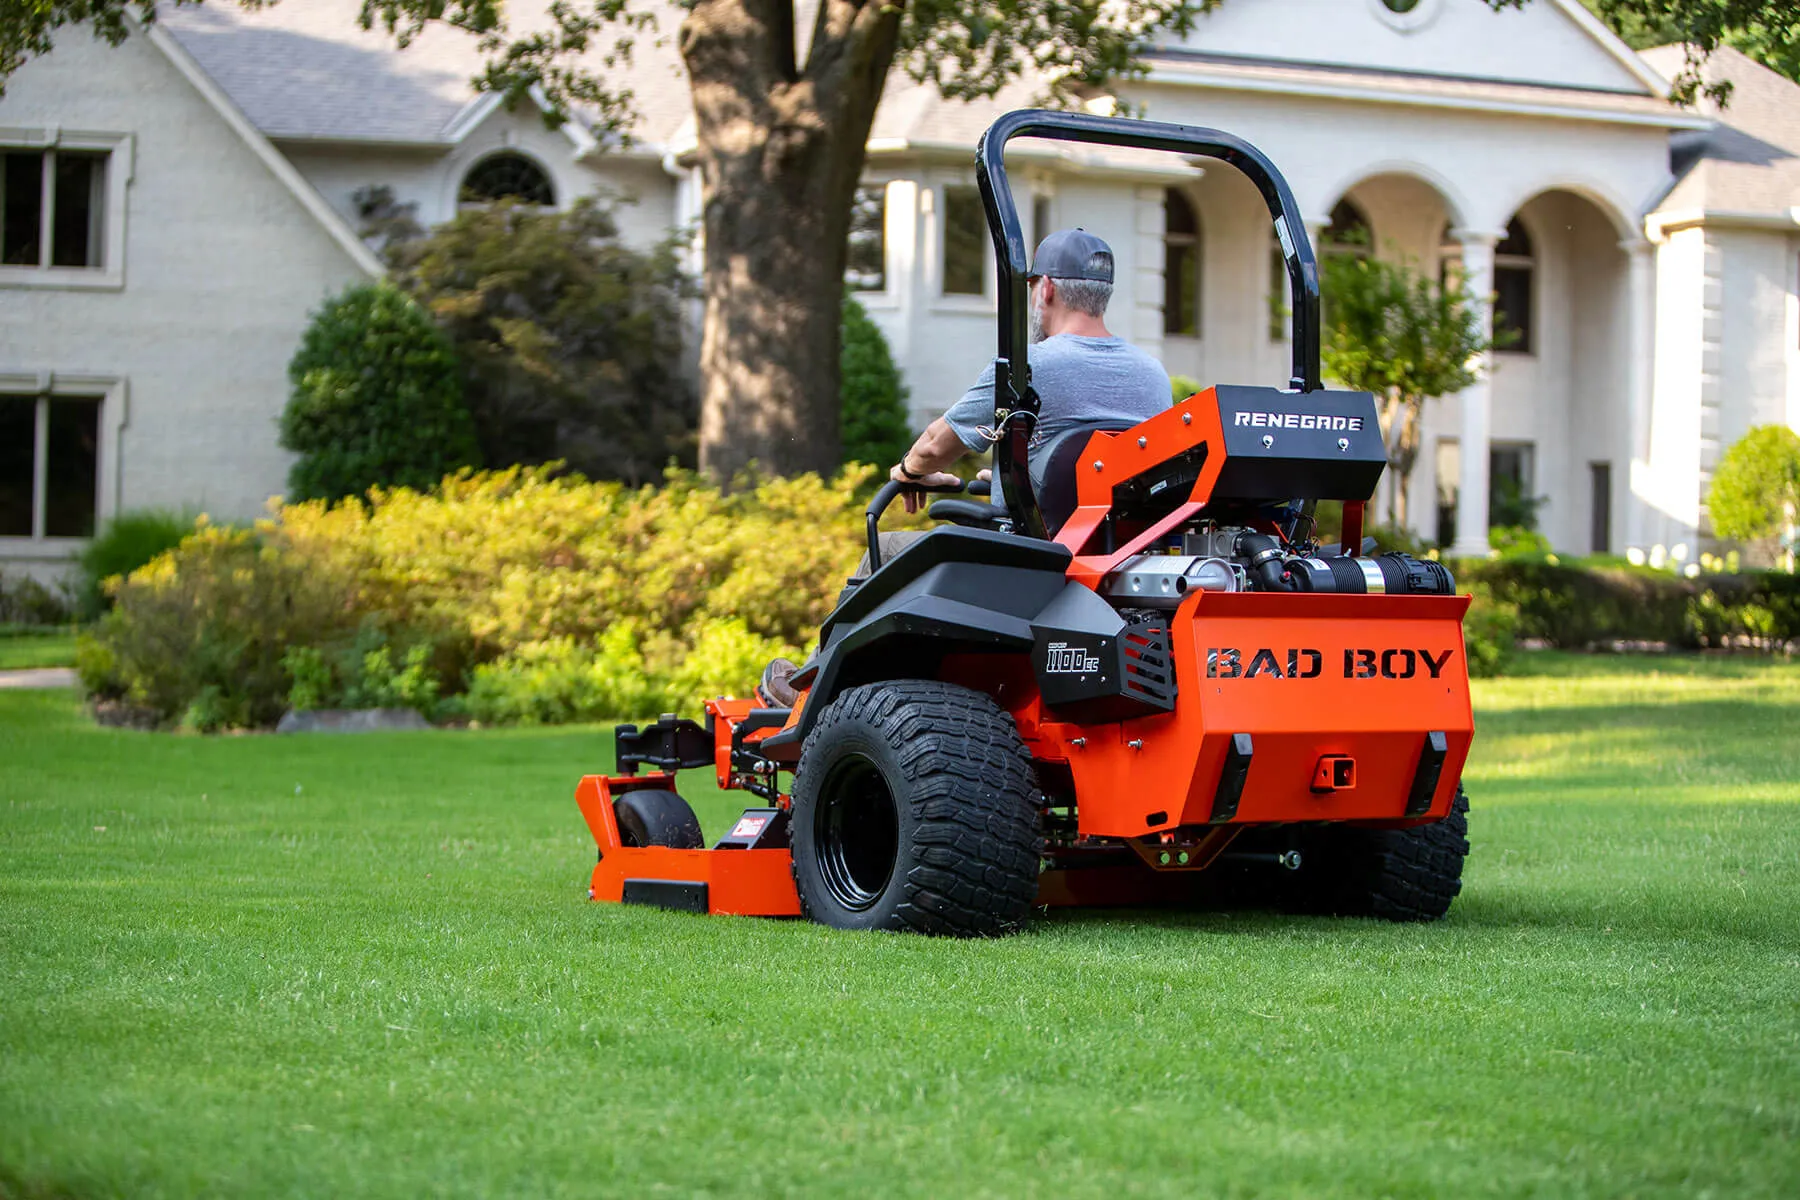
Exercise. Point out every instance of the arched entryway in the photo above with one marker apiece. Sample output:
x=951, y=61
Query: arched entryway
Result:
x=1403, y=218
x=1553, y=421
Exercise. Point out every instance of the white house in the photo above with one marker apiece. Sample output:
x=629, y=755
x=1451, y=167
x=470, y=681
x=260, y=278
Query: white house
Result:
x=173, y=208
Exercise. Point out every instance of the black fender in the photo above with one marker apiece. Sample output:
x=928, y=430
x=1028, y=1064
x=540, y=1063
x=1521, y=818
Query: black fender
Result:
x=955, y=590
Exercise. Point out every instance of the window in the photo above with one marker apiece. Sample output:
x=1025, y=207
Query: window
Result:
x=1406, y=16
x=49, y=465
x=1181, y=265
x=1348, y=232
x=53, y=206
x=1511, y=491
x=508, y=176
x=1513, y=270
x=1600, y=514
x=865, y=268
x=1040, y=221
x=1448, y=464
x=965, y=273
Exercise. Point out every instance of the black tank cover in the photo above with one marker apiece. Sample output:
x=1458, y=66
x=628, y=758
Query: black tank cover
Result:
x=1323, y=445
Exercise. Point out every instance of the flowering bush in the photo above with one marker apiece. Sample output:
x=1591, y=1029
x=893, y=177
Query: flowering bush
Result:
x=550, y=598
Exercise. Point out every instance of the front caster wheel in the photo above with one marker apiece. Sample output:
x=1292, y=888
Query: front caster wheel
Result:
x=653, y=817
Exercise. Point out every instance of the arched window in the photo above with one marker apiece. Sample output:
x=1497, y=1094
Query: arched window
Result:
x=1514, y=264
x=508, y=176
x=1182, y=249
x=1348, y=232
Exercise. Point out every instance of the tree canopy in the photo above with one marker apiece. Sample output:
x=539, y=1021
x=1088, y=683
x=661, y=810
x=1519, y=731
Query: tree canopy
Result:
x=1766, y=30
x=1755, y=492
x=1391, y=330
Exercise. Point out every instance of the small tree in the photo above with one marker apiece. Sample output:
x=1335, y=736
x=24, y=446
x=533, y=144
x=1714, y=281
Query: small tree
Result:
x=874, y=396
x=570, y=341
x=1755, y=493
x=377, y=399
x=1391, y=330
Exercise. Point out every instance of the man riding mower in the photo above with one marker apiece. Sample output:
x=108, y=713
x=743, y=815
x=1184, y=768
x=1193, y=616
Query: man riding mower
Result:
x=1142, y=672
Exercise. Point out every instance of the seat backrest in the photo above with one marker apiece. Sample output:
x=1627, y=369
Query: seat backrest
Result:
x=1053, y=469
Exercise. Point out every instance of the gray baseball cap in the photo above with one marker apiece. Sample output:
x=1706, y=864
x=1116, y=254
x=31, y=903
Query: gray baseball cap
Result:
x=1073, y=254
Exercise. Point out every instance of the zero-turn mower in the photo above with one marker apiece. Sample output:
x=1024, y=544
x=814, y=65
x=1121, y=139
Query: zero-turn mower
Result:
x=1141, y=673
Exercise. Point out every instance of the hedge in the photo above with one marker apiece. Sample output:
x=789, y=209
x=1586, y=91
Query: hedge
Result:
x=1575, y=606
x=520, y=596
x=512, y=595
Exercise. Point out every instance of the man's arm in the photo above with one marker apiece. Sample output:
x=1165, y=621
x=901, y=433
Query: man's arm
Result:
x=934, y=451
x=924, y=464
x=947, y=439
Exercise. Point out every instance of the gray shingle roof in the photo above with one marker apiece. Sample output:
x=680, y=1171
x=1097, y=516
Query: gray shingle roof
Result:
x=1750, y=161
x=305, y=69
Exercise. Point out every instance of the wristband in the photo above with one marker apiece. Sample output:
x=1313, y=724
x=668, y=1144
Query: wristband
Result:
x=904, y=471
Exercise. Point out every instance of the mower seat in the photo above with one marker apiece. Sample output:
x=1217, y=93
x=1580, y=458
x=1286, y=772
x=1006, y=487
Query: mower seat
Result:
x=1053, y=469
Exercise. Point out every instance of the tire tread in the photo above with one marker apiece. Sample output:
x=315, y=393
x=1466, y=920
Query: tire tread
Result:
x=972, y=868
x=1396, y=874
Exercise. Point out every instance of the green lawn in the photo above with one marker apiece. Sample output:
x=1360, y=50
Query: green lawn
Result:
x=365, y=966
x=54, y=647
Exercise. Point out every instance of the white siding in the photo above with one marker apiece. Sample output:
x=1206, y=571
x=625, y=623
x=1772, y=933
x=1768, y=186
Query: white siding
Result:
x=432, y=178
x=1538, y=44
x=222, y=264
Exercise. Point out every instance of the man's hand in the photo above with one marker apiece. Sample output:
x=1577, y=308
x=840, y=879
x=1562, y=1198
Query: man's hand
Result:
x=912, y=496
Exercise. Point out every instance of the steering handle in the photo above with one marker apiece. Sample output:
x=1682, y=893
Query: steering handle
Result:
x=886, y=496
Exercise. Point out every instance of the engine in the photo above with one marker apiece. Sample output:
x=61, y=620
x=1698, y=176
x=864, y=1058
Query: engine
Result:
x=1276, y=456
x=1241, y=559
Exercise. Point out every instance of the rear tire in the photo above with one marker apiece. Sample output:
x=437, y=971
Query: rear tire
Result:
x=653, y=817
x=1397, y=874
x=915, y=808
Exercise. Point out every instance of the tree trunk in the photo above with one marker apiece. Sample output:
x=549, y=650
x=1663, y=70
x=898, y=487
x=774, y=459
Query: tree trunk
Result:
x=781, y=150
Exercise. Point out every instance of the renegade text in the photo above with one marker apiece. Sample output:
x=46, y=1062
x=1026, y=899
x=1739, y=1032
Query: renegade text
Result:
x=1297, y=421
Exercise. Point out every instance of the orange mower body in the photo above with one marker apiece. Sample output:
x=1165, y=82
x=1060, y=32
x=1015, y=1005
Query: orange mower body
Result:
x=1145, y=676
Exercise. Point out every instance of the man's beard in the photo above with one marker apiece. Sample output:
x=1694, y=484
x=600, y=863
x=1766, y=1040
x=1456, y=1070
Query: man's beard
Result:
x=1035, y=322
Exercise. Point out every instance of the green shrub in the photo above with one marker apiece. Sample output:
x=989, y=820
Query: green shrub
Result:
x=25, y=601
x=570, y=340
x=1755, y=492
x=362, y=674
x=1181, y=387
x=1490, y=634
x=1513, y=541
x=1573, y=607
x=125, y=543
x=1760, y=608
x=377, y=399
x=200, y=634
x=621, y=673
x=873, y=412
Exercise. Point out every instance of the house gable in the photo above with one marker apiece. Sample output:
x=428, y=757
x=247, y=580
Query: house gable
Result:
x=225, y=250
x=1551, y=43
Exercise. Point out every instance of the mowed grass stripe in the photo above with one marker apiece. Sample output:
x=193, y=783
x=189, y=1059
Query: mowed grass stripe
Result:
x=367, y=965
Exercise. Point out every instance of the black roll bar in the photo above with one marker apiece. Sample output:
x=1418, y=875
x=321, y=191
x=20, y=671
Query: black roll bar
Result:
x=1015, y=403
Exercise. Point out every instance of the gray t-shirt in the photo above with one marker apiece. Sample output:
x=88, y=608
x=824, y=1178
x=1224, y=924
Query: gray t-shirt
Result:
x=1079, y=380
